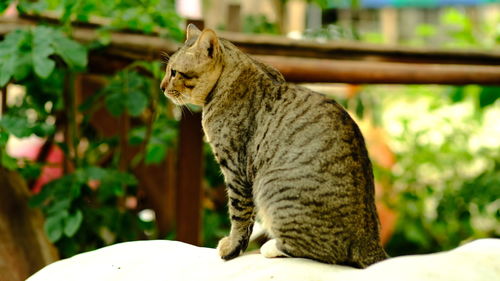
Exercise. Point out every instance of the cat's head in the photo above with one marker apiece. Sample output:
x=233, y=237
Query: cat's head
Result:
x=194, y=69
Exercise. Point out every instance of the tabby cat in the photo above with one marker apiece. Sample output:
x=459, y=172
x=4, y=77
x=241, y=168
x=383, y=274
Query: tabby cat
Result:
x=290, y=156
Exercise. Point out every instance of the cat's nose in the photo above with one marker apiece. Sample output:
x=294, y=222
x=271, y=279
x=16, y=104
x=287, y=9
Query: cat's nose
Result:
x=163, y=85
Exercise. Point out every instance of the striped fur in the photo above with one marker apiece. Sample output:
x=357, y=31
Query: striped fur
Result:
x=290, y=156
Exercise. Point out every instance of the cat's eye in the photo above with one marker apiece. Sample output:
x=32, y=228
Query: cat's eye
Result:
x=184, y=75
x=172, y=73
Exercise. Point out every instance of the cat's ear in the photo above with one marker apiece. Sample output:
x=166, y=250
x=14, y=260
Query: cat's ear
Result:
x=208, y=41
x=192, y=32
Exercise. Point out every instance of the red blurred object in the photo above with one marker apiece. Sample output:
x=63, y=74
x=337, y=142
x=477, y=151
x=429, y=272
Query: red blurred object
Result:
x=30, y=149
x=53, y=169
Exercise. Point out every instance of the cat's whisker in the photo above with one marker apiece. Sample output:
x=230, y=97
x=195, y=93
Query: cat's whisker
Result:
x=165, y=57
x=186, y=107
x=182, y=96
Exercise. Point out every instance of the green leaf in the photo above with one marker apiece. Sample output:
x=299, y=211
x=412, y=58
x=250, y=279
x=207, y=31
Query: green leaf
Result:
x=115, y=103
x=6, y=161
x=60, y=205
x=4, y=137
x=137, y=135
x=31, y=171
x=426, y=30
x=73, y=53
x=127, y=178
x=42, y=40
x=54, y=226
x=43, y=129
x=24, y=66
x=136, y=102
x=12, y=41
x=35, y=7
x=96, y=173
x=7, y=70
x=457, y=94
x=75, y=191
x=9, y=54
x=72, y=223
x=38, y=199
x=126, y=91
x=110, y=189
x=17, y=126
x=69, y=6
x=155, y=153
x=488, y=95
x=104, y=36
x=454, y=17
x=4, y=4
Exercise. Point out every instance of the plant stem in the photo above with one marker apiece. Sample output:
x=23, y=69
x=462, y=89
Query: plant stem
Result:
x=123, y=141
x=2, y=113
x=124, y=123
x=4, y=100
x=70, y=130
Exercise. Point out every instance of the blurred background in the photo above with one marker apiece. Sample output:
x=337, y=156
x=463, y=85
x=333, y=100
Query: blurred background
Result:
x=92, y=153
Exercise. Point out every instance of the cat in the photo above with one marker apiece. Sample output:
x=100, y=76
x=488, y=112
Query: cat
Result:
x=290, y=156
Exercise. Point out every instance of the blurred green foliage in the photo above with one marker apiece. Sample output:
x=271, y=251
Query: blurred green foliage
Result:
x=456, y=30
x=447, y=173
x=88, y=207
x=80, y=209
x=145, y=16
x=445, y=186
x=34, y=50
x=259, y=24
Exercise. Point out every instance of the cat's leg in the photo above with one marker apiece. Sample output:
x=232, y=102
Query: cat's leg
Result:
x=242, y=216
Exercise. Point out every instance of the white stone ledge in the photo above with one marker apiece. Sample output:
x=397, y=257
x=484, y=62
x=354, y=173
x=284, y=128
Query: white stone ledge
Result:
x=162, y=260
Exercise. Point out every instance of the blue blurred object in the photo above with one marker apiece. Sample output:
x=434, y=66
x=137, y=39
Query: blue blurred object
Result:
x=409, y=3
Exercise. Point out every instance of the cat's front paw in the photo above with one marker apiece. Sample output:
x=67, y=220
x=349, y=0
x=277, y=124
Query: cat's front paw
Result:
x=229, y=249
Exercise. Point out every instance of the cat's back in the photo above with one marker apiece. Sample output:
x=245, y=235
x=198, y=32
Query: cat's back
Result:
x=302, y=127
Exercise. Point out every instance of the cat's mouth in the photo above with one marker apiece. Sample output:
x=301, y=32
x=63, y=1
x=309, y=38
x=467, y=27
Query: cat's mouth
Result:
x=173, y=93
x=176, y=96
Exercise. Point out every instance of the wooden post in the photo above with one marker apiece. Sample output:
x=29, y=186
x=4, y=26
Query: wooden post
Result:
x=389, y=25
x=296, y=18
x=234, y=18
x=189, y=176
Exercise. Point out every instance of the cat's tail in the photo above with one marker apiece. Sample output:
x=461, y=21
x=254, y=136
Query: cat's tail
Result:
x=367, y=254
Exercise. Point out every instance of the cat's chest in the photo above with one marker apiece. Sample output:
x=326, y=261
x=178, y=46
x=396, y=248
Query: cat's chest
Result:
x=224, y=129
x=229, y=138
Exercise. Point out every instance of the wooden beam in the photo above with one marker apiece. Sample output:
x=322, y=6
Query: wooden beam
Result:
x=360, y=72
x=260, y=44
x=142, y=46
